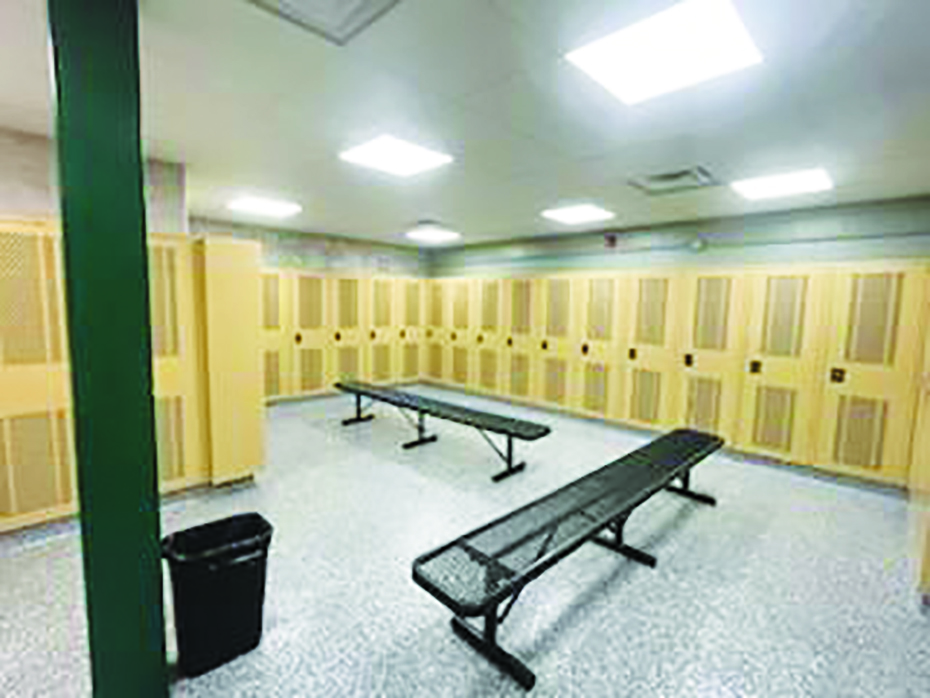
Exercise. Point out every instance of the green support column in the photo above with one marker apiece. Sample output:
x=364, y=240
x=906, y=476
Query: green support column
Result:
x=97, y=76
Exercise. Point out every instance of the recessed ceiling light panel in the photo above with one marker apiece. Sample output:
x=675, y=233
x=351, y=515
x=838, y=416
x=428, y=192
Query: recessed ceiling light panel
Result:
x=430, y=233
x=395, y=156
x=790, y=184
x=269, y=208
x=692, y=42
x=335, y=20
x=577, y=215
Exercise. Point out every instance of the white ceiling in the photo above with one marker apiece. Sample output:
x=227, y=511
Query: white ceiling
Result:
x=253, y=104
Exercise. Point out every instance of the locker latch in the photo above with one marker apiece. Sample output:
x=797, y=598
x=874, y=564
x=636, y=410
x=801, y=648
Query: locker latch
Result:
x=837, y=375
x=689, y=359
x=632, y=354
x=372, y=334
x=755, y=367
x=338, y=336
x=429, y=333
x=480, y=339
x=545, y=345
x=454, y=336
x=510, y=341
x=585, y=349
x=297, y=338
x=403, y=334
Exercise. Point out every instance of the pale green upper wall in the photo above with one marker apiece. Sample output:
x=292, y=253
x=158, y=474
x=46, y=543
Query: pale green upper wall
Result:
x=289, y=249
x=892, y=229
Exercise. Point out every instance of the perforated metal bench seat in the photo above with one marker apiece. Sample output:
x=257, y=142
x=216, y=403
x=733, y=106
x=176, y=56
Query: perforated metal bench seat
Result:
x=474, y=574
x=424, y=406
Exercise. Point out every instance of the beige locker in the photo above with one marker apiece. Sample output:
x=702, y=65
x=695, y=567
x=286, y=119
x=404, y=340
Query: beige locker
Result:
x=652, y=385
x=782, y=372
x=556, y=330
x=519, y=309
x=348, y=296
x=488, y=376
x=277, y=307
x=458, y=354
x=599, y=359
x=409, y=301
x=873, y=355
x=382, y=341
x=436, y=320
x=308, y=336
x=711, y=350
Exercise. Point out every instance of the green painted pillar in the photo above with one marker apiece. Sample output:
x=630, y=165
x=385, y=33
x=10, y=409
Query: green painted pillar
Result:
x=100, y=170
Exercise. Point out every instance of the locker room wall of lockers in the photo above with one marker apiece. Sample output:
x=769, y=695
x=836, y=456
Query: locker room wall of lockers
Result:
x=37, y=462
x=815, y=365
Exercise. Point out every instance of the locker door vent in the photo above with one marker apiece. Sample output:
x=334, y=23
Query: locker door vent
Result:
x=435, y=361
x=66, y=455
x=712, y=313
x=53, y=298
x=22, y=331
x=311, y=369
x=411, y=360
x=774, y=418
x=520, y=375
x=785, y=301
x=163, y=282
x=348, y=362
x=382, y=303
x=555, y=380
x=271, y=302
x=272, y=373
x=435, y=304
x=703, y=410
x=412, y=304
x=6, y=492
x=521, y=310
x=650, y=313
x=860, y=432
x=647, y=395
x=381, y=360
x=490, y=302
x=600, y=308
x=460, y=365
x=169, y=437
x=310, y=299
x=559, y=307
x=32, y=457
x=460, y=306
x=489, y=369
x=874, y=310
x=595, y=388
x=348, y=302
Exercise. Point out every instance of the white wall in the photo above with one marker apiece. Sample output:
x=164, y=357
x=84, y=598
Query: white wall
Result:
x=29, y=184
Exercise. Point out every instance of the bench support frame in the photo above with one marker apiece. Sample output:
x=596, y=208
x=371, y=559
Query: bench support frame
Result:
x=615, y=543
x=486, y=644
x=360, y=416
x=506, y=457
x=422, y=437
x=686, y=491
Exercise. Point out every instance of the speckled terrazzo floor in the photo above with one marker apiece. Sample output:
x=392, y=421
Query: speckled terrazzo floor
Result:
x=792, y=586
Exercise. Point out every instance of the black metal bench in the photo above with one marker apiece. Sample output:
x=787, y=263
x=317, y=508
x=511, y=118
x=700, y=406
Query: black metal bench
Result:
x=474, y=574
x=484, y=422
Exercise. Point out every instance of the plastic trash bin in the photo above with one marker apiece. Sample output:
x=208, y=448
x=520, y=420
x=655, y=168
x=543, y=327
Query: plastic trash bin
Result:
x=218, y=579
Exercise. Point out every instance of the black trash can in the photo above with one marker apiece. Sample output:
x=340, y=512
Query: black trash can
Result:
x=218, y=579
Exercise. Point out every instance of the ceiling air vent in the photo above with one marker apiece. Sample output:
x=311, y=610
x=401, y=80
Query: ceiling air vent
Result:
x=335, y=20
x=674, y=182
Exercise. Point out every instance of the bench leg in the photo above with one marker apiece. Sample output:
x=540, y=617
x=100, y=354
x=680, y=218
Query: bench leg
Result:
x=487, y=646
x=686, y=491
x=359, y=417
x=422, y=438
x=506, y=457
x=616, y=544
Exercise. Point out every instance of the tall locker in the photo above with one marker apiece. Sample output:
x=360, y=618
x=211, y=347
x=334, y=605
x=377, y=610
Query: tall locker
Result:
x=555, y=332
x=409, y=304
x=434, y=353
x=519, y=311
x=313, y=367
x=276, y=300
x=348, y=305
x=598, y=362
x=381, y=343
x=710, y=351
x=489, y=335
x=873, y=354
x=652, y=388
x=458, y=355
x=782, y=376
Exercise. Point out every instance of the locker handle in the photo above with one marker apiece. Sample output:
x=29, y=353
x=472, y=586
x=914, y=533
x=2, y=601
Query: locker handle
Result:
x=298, y=338
x=755, y=367
x=403, y=334
x=689, y=360
x=338, y=336
x=480, y=339
x=429, y=333
x=510, y=341
x=837, y=375
x=454, y=336
x=545, y=345
x=372, y=334
x=632, y=354
x=585, y=349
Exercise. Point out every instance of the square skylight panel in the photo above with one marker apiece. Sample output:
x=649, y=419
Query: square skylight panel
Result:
x=576, y=215
x=690, y=43
x=396, y=157
x=781, y=185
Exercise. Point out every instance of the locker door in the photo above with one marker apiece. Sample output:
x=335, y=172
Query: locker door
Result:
x=598, y=361
x=276, y=332
x=313, y=371
x=872, y=360
x=652, y=388
x=518, y=344
x=555, y=333
x=458, y=359
x=711, y=352
x=782, y=376
x=381, y=343
x=409, y=302
x=434, y=357
x=489, y=340
x=347, y=297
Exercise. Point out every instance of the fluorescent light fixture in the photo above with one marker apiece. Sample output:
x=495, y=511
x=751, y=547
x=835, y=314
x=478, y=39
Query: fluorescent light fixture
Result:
x=576, y=215
x=395, y=156
x=790, y=184
x=269, y=208
x=432, y=234
x=694, y=41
